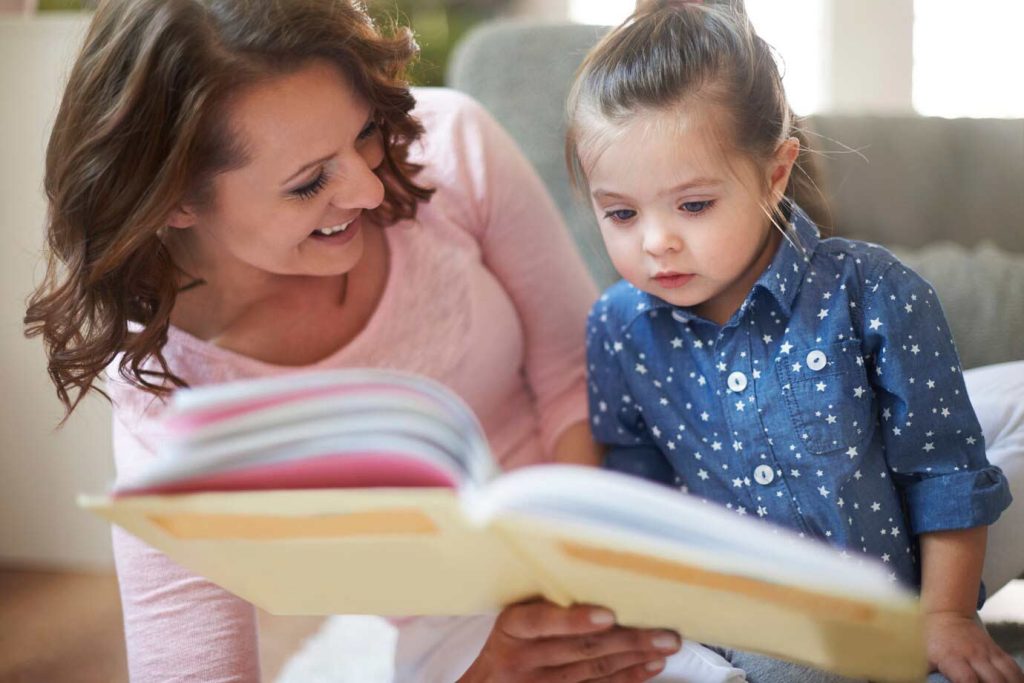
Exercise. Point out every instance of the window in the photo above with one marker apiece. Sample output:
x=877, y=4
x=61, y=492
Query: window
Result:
x=968, y=58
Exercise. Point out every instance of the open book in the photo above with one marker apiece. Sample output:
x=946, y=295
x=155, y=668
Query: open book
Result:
x=374, y=492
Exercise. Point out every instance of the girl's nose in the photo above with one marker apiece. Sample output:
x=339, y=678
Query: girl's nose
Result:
x=660, y=239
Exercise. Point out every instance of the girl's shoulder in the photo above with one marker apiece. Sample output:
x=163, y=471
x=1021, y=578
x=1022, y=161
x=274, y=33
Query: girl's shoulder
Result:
x=620, y=306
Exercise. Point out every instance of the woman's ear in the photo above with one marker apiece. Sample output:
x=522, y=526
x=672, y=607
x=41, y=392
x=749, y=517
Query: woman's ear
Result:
x=780, y=167
x=181, y=217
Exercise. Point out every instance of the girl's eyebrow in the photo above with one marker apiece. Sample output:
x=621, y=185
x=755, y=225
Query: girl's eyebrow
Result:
x=689, y=184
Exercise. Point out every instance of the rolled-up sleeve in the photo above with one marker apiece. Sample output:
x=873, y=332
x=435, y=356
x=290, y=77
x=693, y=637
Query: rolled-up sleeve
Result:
x=933, y=442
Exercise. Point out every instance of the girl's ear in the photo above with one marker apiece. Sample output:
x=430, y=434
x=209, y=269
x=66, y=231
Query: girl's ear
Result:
x=181, y=217
x=780, y=167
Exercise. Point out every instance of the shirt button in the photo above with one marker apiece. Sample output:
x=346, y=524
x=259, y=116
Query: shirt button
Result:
x=764, y=475
x=737, y=381
x=816, y=360
x=680, y=316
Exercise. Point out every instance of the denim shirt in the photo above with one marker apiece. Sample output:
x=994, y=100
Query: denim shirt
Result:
x=832, y=402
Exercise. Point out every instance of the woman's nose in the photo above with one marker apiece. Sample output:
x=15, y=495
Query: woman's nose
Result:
x=660, y=239
x=360, y=188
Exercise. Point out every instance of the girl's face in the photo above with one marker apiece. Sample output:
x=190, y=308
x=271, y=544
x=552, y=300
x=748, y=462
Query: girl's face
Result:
x=296, y=206
x=682, y=217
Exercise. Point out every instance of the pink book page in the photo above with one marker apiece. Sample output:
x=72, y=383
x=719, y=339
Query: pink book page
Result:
x=192, y=420
x=348, y=470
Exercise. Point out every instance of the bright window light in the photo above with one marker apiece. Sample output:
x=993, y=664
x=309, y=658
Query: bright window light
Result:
x=968, y=60
x=797, y=34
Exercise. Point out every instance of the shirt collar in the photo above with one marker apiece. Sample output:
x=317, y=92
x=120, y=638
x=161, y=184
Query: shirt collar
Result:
x=781, y=278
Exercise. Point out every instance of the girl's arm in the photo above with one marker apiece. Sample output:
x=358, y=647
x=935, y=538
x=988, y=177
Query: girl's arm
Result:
x=576, y=446
x=957, y=645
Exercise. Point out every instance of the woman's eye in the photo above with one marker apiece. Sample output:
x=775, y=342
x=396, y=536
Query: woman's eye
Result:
x=368, y=131
x=310, y=190
x=696, y=207
x=620, y=215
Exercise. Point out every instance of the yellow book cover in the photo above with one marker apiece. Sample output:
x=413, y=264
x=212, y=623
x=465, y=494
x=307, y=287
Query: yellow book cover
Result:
x=373, y=492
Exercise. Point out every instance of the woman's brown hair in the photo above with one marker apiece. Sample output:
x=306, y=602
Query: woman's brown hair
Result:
x=669, y=51
x=141, y=129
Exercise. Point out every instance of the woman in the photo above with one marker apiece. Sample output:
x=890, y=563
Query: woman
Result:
x=242, y=188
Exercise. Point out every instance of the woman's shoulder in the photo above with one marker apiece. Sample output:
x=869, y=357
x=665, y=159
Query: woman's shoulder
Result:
x=444, y=109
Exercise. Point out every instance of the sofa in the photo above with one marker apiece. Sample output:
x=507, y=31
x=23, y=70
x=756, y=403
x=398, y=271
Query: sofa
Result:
x=946, y=194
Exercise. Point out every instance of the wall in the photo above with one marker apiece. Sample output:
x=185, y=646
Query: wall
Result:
x=41, y=469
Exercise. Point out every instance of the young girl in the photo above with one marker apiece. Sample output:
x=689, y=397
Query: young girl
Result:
x=813, y=383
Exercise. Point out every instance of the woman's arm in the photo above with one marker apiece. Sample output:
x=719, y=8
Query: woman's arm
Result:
x=178, y=626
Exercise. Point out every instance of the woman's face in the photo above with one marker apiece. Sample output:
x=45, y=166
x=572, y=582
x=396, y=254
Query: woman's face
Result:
x=295, y=206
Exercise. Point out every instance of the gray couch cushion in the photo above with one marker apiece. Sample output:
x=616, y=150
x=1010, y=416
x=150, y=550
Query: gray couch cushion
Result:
x=980, y=289
x=918, y=180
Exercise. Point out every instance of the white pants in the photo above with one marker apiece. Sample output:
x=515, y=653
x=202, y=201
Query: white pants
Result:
x=440, y=649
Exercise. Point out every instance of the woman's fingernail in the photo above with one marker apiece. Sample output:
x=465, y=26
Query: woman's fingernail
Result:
x=601, y=617
x=665, y=641
x=656, y=665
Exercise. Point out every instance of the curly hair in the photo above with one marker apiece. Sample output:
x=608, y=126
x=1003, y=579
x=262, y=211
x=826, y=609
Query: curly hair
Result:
x=142, y=128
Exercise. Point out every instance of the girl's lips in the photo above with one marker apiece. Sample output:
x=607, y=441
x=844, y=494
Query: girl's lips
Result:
x=673, y=281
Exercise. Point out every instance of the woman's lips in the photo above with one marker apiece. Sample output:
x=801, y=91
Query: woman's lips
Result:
x=339, y=237
x=673, y=280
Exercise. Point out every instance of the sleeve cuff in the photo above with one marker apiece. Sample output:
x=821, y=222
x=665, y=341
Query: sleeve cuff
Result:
x=960, y=500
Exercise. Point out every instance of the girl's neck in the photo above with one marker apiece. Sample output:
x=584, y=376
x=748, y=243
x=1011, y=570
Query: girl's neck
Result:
x=722, y=307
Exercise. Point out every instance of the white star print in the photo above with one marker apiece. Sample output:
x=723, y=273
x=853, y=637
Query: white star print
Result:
x=822, y=314
x=858, y=392
x=677, y=343
x=875, y=323
x=786, y=346
x=852, y=452
x=702, y=474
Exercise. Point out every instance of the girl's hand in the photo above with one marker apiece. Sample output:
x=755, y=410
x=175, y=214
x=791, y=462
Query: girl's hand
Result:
x=539, y=641
x=960, y=649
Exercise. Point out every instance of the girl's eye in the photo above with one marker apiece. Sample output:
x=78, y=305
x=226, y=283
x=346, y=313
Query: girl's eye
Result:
x=620, y=215
x=310, y=190
x=696, y=207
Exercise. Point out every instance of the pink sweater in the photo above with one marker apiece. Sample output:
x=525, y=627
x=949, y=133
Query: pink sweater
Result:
x=485, y=293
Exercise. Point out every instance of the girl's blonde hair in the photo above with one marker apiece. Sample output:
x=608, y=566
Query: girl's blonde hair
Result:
x=670, y=52
x=142, y=128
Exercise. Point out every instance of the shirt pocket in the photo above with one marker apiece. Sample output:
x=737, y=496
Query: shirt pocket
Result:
x=827, y=395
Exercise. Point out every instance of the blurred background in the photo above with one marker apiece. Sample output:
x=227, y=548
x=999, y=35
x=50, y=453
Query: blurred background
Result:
x=928, y=58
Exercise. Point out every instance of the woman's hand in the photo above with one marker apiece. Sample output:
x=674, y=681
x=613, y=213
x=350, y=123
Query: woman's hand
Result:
x=960, y=649
x=539, y=641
